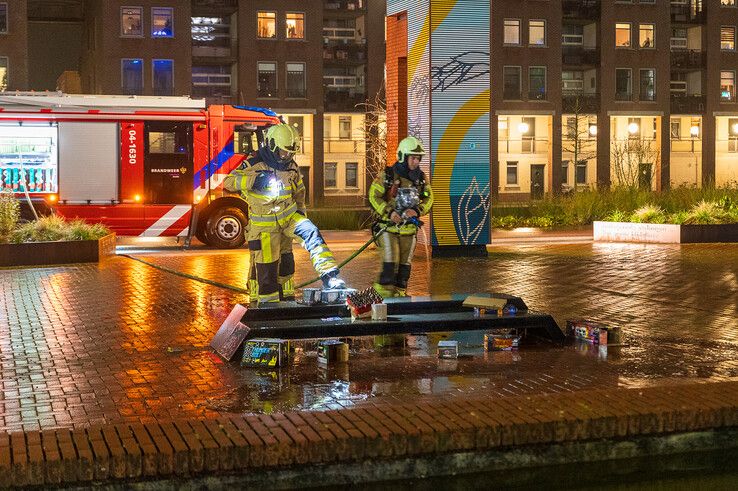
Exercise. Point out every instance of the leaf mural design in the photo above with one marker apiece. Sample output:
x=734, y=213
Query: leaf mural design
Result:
x=472, y=212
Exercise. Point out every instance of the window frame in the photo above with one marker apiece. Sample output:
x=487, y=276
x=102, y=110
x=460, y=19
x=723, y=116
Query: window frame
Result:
x=653, y=35
x=141, y=17
x=345, y=175
x=545, y=33
x=335, y=175
x=630, y=84
x=504, y=28
x=733, y=40
x=7, y=18
x=545, y=82
x=630, y=35
x=520, y=82
x=7, y=71
x=153, y=13
x=304, y=22
x=153, y=74
x=512, y=164
x=640, y=84
x=304, y=79
x=276, y=35
x=122, y=78
x=276, y=79
x=732, y=95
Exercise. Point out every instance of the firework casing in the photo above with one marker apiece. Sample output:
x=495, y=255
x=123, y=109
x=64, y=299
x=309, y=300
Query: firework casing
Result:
x=593, y=332
x=379, y=311
x=332, y=351
x=311, y=296
x=501, y=342
x=448, y=349
x=269, y=353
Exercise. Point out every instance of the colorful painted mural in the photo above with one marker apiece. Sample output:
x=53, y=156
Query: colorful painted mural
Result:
x=448, y=109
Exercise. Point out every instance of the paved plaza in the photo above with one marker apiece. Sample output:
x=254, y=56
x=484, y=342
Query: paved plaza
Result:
x=122, y=342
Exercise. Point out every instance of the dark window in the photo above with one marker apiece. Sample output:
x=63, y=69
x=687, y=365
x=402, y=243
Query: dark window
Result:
x=511, y=89
x=581, y=171
x=163, y=77
x=352, y=175
x=132, y=76
x=622, y=84
x=211, y=81
x=648, y=85
x=512, y=173
x=295, y=80
x=267, y=79
x=537, y=83
x=329, y=173
x=3, y=17
x=564, y=172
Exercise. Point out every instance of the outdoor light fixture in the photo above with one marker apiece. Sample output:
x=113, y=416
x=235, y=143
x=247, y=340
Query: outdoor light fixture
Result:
x=734, y=128
x=694, y=130
x=593, y=129
x=137, y=198
x=633, y=128
x=523, y=128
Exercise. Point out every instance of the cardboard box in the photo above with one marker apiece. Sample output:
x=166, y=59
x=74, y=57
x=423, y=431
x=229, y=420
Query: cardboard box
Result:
x=593, y=332
x=332, y=351
x=272, y=353
x=448, y=349
x=501, y=342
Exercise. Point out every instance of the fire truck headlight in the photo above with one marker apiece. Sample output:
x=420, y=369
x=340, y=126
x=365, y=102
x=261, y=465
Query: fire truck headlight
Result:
x=52, y=198
x=137, y=198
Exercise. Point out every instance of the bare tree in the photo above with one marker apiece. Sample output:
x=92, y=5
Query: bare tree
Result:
x=578, y=139
x=375, y=134
x=627, y=157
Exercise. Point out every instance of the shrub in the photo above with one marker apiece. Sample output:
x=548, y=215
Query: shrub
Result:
x=618, y=216
x=705, y=213
x=54, y=228
x=648, y=214
x=9, y=215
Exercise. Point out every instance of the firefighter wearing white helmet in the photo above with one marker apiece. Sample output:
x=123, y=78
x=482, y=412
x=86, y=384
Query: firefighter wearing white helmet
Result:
x=399, y=196
x=271, y=184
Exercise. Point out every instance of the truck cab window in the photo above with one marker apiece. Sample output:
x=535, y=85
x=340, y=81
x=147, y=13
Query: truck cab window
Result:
x=244, y=142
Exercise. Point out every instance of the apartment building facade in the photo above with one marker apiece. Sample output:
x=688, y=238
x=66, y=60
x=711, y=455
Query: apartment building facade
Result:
x=581, y=94
x=311, y=61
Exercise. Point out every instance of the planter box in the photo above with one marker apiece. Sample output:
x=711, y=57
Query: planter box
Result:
x=664, y=233
x=46, y=253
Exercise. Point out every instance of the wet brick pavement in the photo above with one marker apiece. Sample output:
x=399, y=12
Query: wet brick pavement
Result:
x=121, y=342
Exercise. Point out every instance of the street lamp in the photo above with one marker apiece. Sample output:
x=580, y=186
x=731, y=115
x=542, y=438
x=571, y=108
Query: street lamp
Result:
x=694, y=131
x=633, y=128
x=523, y=128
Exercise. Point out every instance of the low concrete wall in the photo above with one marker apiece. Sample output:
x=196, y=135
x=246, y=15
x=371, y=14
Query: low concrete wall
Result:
x=46, y=253
x=664, y=233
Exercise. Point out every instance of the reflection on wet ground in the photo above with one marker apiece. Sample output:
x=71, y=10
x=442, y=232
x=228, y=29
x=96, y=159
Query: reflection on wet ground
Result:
x=123, y=342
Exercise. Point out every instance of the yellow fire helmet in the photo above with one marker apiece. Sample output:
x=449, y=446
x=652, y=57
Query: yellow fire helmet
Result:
x=409, y=146
x=283, y=136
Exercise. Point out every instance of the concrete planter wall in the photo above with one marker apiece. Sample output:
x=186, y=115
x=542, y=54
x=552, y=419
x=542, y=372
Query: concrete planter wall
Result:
x=664, y=233
x=45, y=253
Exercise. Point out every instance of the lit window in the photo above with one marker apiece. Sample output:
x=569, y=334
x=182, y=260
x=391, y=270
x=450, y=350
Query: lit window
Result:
x=727, y=85
x=163, y=77
x=162, y=22
x=3, y=73
x=329, y=174
x=3, y=18
x=512, y=31
x=130, y=21
x=266, y=25
x=295, y=80
x=727, y=3
x=646, y=37
x=132, y=76
x=727, y=38
x=537, y=33
x=267, y=79
x=295, y=24
x=622, y=35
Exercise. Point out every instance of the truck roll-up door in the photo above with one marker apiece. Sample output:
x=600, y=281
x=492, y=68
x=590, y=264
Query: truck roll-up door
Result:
x=88, y=162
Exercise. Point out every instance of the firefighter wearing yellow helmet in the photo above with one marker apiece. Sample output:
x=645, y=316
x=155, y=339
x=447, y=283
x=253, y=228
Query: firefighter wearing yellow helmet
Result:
x=271, y=184
x=399, y=196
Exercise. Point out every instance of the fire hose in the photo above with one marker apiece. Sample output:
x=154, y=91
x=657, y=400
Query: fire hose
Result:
x=375, y=235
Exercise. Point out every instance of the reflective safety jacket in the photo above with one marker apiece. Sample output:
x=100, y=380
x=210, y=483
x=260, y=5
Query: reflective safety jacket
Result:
x=274, y=204
x=382, y=195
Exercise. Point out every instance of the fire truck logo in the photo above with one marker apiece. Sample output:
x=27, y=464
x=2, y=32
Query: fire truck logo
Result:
x=183, y=170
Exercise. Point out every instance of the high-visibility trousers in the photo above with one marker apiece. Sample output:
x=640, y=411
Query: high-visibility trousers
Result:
x=266, y=244
x=396, y=254
x=286, y=271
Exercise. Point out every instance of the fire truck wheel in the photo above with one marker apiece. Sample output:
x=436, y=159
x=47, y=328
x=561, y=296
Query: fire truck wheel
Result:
x=225, y=228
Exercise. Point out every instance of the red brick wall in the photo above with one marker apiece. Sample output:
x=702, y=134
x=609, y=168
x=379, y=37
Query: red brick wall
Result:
x=396, y=82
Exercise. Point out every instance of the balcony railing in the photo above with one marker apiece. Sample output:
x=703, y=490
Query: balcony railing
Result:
x=687, y=104
x=580, y=55
x=344, y=145
x=342, y=35
x=573, y=102
x=581, y=9
x=346, y=5
x=687, y=59
x=344, y=54
x=524, y=145
x=687, y=145
x=688, y=14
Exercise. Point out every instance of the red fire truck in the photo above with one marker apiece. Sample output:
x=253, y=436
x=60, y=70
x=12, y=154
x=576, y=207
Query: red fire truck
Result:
x=146, y=166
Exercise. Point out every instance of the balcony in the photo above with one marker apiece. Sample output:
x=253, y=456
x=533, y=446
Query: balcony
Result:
x=581, y=9
x=527, y=144
x=342, y=101
x=344, y=145
x=687, y=59
x=350, y=6
x=578, y=103
x=687, y=14
x=687, y=104
x=342, y=55
x=580, y=55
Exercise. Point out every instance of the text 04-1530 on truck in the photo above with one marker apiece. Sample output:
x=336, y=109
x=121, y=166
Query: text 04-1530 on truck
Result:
x=140, y=165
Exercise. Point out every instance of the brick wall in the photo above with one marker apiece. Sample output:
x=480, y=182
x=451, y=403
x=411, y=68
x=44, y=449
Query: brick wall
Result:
x=396, y=82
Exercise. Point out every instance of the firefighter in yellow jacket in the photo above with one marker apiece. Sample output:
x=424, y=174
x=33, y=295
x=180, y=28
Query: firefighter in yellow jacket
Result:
x=399, y=196
x=271, y=184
